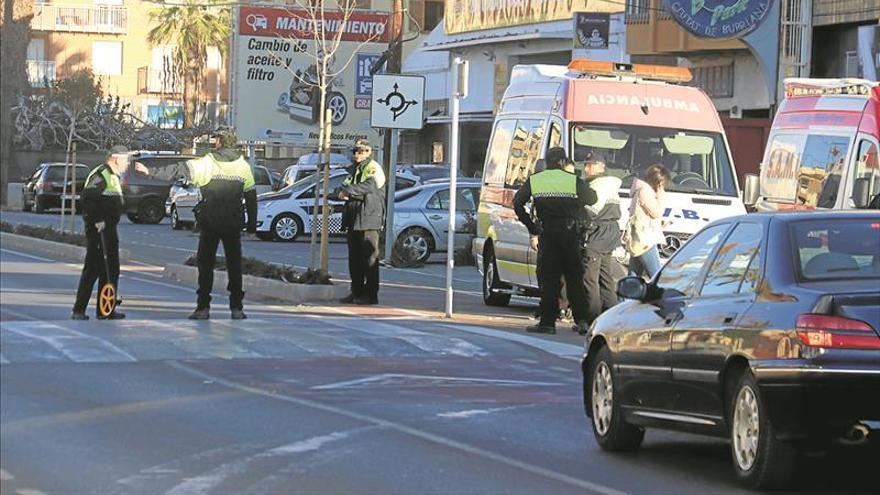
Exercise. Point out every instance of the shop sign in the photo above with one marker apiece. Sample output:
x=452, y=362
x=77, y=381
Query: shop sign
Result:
x=476, y=15
x=591, y=30
x=719, y=19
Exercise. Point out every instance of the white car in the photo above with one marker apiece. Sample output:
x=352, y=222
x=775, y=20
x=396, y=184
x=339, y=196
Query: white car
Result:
x=308, y=164
x=184, y=196
x=286, y=214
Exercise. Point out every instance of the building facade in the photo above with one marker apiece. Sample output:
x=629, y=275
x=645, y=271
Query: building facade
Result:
x=109, y=37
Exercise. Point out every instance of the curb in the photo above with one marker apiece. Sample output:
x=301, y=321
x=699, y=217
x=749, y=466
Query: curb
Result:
x=260, y=287
x=51, y=249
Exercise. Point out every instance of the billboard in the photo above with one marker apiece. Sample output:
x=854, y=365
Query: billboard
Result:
x=275, y=57
x=475, y=15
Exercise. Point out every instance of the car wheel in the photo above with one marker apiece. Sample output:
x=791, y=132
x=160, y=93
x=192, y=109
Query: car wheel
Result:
x=610, y=429
x=287, y=227
x=39, y=206
x=338, y=107
x=175, y=219
x=151, y=212
x=132, y=217
x=419, y=240
x=491, y=295
x=760, y=460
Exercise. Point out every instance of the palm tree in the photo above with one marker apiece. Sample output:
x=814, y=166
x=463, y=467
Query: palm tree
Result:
x=191, y=27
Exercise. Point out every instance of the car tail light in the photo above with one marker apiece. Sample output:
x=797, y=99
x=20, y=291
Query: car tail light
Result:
x=836, y=332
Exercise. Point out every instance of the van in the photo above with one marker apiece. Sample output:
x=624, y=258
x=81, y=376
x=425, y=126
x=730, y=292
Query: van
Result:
x=822, y=149
x=631, y=116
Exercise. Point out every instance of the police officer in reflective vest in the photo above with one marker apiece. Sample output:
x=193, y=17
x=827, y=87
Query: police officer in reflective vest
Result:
x=224, y=178
x=559, y=198
x=363, y=218
x=102, y=207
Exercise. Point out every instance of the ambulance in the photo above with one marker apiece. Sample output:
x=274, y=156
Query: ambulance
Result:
x=822, y=148
x=630, y=116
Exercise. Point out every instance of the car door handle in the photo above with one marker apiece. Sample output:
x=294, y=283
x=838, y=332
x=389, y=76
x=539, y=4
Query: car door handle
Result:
x=436, y=217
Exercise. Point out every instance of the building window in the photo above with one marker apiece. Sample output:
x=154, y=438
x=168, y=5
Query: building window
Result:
x=637, y=11
x=433, y=15
x=107, y=57
x=716, y=80
x=424, y=15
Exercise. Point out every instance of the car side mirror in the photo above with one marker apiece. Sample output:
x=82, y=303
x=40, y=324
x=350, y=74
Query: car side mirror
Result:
x=751, y=189
x=632, y=288
x=860, y=194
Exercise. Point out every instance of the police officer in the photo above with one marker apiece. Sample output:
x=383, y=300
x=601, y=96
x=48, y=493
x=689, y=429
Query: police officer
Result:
x=224, y=178
x=363, y=218
x=559, y=199
x=102, y=206
x=603, y=237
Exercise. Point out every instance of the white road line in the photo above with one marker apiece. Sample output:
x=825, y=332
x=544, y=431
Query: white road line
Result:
x=5, y=476
x=431, y=437
x=57, y=342
x=561, y=349
x=23, y=255
x=476, y=412
x=396, y=378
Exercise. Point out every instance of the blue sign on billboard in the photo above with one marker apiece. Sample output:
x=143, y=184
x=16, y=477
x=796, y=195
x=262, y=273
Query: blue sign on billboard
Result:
x=364, y=82
x=719, y=19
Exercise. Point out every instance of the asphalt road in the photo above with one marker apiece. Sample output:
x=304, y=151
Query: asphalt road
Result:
x=420, y=288
x=311, y=400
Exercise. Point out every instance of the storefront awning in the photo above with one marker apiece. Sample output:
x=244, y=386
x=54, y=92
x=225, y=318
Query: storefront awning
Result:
x=439, y=40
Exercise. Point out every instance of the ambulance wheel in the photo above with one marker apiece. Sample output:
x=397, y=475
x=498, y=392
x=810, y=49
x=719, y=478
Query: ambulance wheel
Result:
x=491, y=282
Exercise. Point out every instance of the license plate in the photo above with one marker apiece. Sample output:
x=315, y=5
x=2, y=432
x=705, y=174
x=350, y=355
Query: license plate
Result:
x=68, y=197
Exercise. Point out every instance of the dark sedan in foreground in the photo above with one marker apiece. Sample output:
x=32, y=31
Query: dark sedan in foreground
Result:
x=763, y=328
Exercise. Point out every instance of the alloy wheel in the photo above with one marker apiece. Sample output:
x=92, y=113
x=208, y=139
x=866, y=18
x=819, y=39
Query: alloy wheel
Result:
x=417, y=243
x=746, y=428
x=286, y=228
x=603, y=398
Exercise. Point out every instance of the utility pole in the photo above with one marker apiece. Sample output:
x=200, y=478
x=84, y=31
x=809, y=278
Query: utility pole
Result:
x=389, y=143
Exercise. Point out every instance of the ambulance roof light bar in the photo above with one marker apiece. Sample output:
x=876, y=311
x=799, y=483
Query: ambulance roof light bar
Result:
x=800, y=87
x=654, y=72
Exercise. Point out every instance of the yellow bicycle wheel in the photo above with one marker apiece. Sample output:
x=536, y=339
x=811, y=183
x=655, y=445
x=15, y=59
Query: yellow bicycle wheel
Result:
x=107, y=300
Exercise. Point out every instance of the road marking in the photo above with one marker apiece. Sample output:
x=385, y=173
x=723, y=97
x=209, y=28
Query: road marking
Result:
x=431, y=437
x=395, y=379
x=560, y=349
x=475, y=412
x=5, y=476
x=23, y=255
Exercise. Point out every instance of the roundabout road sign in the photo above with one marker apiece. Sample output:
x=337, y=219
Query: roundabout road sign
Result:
x=398, y=101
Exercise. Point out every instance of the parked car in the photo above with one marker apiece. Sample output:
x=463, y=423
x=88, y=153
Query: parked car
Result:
x=427, y=172
x=183, y=197
x=306, y=165
x=286, y=214
x=44, y=187
x=145, y=194
x=762, y=328
x=421, y=216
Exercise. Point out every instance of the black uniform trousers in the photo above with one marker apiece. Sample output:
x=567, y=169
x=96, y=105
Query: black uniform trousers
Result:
x=93, y=267
x=600, y=283
x=363, y=262
x=559, y=255
x=209, y=239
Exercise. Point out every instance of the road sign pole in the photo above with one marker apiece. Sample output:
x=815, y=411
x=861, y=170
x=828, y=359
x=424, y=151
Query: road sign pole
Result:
x=391, y=184
x=460, y=91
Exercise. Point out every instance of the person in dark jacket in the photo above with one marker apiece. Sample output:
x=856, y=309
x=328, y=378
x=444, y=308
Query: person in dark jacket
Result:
x=363, y=218
x=603, y=237
x=225, y=179
x=102, y=207
x=559, y=199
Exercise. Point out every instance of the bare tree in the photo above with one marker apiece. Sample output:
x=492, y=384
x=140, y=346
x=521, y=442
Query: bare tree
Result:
x=15, y=34
x=328, y=64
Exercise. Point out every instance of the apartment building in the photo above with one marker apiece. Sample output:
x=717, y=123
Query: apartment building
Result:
x=845, y=38
x=110, y=38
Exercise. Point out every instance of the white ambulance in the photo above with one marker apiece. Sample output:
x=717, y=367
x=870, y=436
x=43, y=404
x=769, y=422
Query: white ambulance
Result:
x=631, y=116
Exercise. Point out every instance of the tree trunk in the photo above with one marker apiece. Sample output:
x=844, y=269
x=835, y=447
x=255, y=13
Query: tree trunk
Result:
x=15, y=34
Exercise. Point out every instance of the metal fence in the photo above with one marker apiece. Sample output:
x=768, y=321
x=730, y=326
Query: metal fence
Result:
x=80, y=18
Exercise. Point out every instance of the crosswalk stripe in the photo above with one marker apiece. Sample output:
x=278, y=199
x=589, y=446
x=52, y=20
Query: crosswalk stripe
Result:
x=80, y=347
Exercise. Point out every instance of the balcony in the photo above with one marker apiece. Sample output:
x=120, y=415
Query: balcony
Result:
x=827, y=12
x=41, y=73
x=157, y=81
x=106, y=19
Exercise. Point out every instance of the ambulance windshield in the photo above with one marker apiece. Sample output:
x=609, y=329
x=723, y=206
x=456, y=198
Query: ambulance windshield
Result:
x=697, y=161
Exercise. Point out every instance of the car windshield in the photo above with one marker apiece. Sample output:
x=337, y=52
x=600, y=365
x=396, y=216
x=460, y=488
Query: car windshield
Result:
x=698, y=161
x=837, y=249
x=804, y=168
